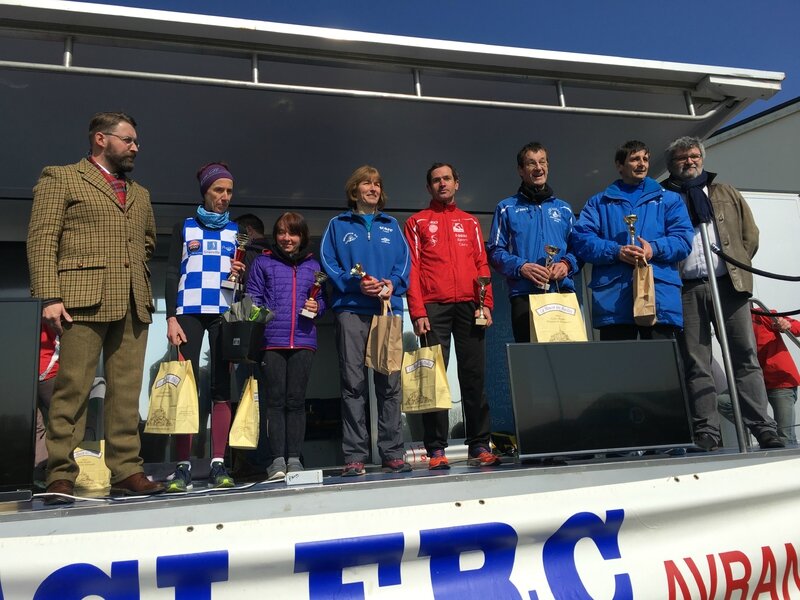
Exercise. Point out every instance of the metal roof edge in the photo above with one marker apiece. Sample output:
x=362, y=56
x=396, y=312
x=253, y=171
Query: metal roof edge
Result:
x=377, y=44
x=773, y=113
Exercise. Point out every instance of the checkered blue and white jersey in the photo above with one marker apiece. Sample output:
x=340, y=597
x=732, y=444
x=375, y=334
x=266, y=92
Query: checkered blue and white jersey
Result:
x=205, y=263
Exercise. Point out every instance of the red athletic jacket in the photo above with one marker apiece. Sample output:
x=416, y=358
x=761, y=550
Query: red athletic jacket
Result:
x=775, y=359
x=447, y=256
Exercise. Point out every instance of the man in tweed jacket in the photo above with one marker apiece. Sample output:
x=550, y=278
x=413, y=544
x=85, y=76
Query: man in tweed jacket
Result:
x=91, y=234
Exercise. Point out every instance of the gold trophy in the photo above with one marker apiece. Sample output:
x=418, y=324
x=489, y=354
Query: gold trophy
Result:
x=233, y=279
x=630, y=220
x=483, y=283
x=319, y=279
x=551, y=252
x=358, y=271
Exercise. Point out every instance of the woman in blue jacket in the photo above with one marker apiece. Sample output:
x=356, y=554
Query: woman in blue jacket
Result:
x=281, y=279
x=367, y=236
x=664, y=233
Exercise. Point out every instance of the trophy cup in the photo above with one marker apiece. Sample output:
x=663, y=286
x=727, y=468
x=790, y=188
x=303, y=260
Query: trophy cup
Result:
x=481, y=319
x=233, y=279
x=551, y=252
x=358, y=271
x=319, y=279
x=630, y=220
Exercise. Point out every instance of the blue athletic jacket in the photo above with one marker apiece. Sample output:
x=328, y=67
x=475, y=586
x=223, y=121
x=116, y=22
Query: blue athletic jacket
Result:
x=662, y=220
x=382, y=252
x=520, y=230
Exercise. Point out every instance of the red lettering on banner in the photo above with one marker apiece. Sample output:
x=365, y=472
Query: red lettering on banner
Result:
x=737, y=578
x=712, y=577
x=768, y=569
x=731, y=584
x=674, y=576
x=791, y=568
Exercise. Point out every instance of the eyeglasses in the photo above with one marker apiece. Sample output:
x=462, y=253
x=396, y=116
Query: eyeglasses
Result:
x=533, y=164
x=125, y=139
x=687, y=158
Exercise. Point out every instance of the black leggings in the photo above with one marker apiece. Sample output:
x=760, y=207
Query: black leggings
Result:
x=285, y=376
x=194, y=326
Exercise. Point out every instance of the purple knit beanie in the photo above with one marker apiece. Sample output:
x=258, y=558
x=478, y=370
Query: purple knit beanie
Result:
x=208, y=174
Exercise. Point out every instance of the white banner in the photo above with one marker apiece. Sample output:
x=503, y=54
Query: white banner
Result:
x=732, y=532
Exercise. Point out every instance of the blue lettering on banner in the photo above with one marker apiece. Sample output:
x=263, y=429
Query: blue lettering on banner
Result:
x=497, y=541
x=325, y=560
x=558, y=554
x=192, y=574
x=80, y=580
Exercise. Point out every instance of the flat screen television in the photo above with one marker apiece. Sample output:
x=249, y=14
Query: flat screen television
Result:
x=19, y=374
x=596, y=397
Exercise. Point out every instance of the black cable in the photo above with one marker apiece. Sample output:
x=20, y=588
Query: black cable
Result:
x=757, y=311
x=733, y=261
x=785, y=313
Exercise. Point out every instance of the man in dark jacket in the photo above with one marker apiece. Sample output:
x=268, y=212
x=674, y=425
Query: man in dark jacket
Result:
x=251, y=462
x=734, y=229
x=257, y=241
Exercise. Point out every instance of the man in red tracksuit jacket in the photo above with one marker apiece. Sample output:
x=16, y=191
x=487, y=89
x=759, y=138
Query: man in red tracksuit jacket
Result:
x=447, y=257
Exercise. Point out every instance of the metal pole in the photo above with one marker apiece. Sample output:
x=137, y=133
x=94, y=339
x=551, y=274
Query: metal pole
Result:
x=254, y=67
x=689, y=103
x=68, y=52
x=722, y=336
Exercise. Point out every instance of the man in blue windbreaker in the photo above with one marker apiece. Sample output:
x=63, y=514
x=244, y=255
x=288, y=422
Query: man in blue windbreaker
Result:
x=523, y=225
x=664, y=237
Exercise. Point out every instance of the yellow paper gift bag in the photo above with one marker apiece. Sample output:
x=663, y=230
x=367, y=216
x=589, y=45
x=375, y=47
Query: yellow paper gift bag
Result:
x=424, y=381
x=556, y=318
x=244, y=430
x=173, y=399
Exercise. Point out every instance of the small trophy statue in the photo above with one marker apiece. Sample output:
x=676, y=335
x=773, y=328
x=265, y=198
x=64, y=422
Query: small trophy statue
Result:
x=630, y=220
x=358, y=271
x=481, y=319
x=551, y=252
x=319, y=279
x=233, y=279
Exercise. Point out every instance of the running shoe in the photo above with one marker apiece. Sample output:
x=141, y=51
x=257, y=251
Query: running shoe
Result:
x=180, y=480
x=480, y=456
x=219, y=476
x=397, y=465
x=353, y=469
x=293, y=465
x=437, y=461
x=277, y=470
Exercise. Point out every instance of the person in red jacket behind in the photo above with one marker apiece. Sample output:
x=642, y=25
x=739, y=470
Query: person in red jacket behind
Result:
x=447, y=257
x=49, y=349
x=780, y=373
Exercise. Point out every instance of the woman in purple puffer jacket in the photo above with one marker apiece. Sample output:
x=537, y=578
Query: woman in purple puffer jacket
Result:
x=281, y=279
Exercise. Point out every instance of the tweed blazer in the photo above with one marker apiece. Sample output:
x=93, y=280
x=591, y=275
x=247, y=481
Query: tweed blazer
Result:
x=87, y=249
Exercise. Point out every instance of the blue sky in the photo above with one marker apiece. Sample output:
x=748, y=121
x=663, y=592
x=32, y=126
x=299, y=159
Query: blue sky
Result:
x=730, y=33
